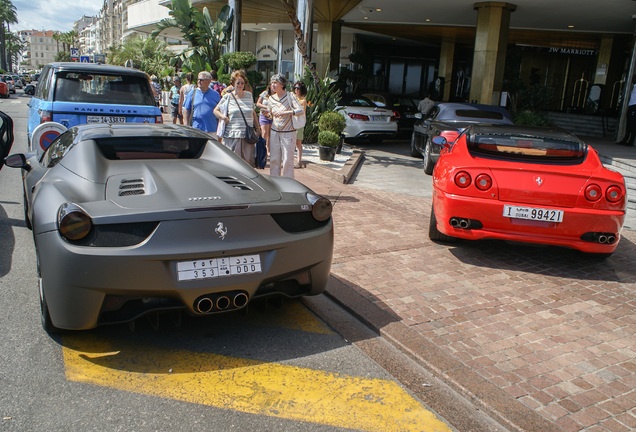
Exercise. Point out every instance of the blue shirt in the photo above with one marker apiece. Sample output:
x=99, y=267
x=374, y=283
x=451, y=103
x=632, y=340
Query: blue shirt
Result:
x=203, y=117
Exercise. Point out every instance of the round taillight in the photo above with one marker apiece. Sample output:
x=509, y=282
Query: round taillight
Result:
x=321, y=207
x=593, y=192
x=73, y=222
x=614, y=194
x=483, y=182
x=462, y=179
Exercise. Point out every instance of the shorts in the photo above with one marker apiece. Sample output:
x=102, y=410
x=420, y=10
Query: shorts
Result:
x=175, y=111
x=264, y=120
x=300, y=133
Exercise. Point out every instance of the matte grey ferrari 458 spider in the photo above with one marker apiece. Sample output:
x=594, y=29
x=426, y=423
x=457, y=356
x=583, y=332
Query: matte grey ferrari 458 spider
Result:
x=134, y=219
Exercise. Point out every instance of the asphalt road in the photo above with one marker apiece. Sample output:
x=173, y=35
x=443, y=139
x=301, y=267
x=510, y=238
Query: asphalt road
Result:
x=299, y=365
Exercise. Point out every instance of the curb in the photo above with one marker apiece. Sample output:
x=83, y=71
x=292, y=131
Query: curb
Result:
x=498, y=404
x=345, y=173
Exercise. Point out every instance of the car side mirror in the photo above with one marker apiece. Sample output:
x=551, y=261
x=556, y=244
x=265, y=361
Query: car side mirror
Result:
x=17, y=161
x=440, y=141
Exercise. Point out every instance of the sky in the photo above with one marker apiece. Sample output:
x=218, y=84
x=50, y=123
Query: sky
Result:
x=53, y=14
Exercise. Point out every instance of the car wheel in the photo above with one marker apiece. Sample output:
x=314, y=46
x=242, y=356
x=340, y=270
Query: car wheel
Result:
x=414, y=151
x=433, y=233
x=27, y=221
x=47, y=324
x=428, y=161
x=375, y=139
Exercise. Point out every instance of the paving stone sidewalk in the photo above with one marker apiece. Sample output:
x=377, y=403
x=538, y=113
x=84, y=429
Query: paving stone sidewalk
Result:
x=545, y=329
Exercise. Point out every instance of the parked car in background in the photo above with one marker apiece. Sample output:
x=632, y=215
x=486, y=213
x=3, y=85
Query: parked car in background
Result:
x=132, y=219
x=449, y=119
x=78, y=93
x=9, y=80
x=365, y=120
x=29, y=89
x=17, y=80
x=526, y=184
x=404, y=108
x=4, y=89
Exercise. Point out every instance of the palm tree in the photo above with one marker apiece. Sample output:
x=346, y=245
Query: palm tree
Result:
x=8, y=16
x=148, y=55
x=204, y=36
x=300, y=40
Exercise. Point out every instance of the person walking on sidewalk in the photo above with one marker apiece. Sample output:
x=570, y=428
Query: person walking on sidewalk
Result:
x=174, y=101
x=199, y=104
x=239, y=111
x=282, y=138
x=300, y=91
x=184, y=90
x=630, y=132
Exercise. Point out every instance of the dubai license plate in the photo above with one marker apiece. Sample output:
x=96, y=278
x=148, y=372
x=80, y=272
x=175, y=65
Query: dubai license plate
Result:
x=533, y=213
x=218, y=267
x=105, y=119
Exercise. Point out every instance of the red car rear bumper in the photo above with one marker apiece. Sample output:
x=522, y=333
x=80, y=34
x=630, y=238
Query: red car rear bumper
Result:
x=576, y=222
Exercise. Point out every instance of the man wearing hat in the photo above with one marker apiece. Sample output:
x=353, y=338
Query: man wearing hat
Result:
x=282, y=139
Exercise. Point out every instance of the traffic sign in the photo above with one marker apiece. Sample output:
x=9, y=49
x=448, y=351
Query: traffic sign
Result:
x=85, y=59
x=45, y=134
x=75, y=53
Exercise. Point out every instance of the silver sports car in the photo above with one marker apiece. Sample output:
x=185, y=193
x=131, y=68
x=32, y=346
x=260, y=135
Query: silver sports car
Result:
x=133, y=219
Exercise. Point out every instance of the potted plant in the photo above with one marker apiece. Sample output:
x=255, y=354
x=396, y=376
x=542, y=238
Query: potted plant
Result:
x=327, y=144
x=333, y=122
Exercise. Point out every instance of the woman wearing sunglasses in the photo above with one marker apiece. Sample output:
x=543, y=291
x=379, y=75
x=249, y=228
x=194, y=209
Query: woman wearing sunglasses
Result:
x=300, y=91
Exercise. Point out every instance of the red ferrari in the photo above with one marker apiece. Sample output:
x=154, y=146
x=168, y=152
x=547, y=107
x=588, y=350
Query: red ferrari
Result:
x=526, y=184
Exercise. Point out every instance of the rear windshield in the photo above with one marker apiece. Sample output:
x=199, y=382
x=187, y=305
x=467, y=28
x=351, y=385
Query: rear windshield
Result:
x=151, y=148
x=103, y=89
x=479, y=114
x=524, y=147
x=357, y=101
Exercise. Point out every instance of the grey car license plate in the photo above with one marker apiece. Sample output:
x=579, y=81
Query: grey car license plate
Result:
x=218, y=267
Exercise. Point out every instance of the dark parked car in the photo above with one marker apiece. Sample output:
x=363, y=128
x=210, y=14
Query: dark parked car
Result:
x=133, y=219
x=449, y=119
x=404, y=109
x=30, y=88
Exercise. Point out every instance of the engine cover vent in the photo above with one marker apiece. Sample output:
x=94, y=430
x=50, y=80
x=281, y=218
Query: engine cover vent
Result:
x=235, y=183
x=129, y=187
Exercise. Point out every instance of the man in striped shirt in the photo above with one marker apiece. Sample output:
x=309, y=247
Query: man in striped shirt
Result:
x=282, y=138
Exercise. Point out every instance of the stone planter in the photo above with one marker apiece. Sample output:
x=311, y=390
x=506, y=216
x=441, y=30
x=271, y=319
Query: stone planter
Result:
x=327, y=153
x=339, y=148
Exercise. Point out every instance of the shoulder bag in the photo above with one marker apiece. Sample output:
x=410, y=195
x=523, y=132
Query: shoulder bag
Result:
x=251, y=136
x=298, y=120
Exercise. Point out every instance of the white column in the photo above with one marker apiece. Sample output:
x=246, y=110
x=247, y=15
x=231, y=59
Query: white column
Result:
x=305, y=13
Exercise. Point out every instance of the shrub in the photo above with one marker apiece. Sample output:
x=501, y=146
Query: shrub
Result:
x=531, y=118
x=328, y=139
x=332, y=121
x=320, y=99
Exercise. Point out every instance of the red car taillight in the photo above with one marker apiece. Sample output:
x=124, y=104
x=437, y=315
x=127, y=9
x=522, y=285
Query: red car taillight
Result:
x=483, y=182
x=158, y=119
x=45, y=116
x=614, y=194
x=395, y=117
x=593, y=192
x=359, y=117
x=462, y=179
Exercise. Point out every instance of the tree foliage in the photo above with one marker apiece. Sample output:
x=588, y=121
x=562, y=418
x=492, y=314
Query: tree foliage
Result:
x=204, y=35
x=321, y=97
x=149, y=55
x=8, y=16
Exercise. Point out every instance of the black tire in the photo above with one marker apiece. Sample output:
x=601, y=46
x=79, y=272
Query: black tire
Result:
x=47, y=324
x=428, y=161
x=434, y=234
x=375, y=139
x=414, y=151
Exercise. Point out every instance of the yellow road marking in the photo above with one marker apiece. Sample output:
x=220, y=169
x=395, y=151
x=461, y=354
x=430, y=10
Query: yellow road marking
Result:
x=293, y=316
x=248, y=386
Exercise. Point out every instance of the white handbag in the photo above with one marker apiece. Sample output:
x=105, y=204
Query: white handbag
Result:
x=298, y=120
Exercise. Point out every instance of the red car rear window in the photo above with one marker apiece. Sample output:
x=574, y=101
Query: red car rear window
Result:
x=527, y=147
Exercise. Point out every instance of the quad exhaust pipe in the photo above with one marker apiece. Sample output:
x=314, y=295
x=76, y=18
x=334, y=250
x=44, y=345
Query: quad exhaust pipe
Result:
x=212, y=303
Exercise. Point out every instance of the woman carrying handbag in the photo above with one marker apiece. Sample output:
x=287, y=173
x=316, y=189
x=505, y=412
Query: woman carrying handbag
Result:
x=287, y=115
x=236, y=110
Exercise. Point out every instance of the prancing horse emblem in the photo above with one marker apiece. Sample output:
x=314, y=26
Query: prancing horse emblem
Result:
x=538, y=180
x=221, y=230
